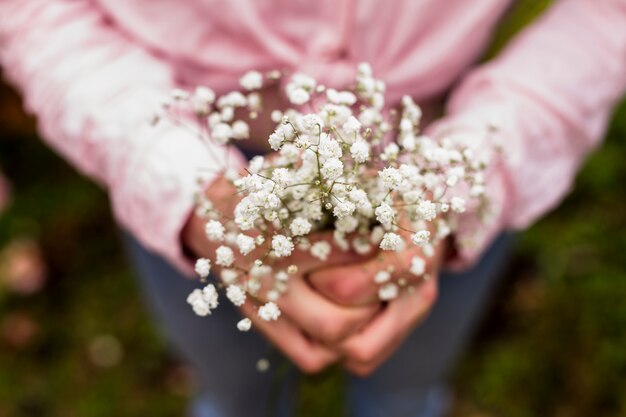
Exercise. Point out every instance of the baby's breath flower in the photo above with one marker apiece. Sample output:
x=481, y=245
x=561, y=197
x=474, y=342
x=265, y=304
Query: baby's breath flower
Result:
x=236, y=295
x=388, y=292
x=421, y=237
x=269, y=311
x=224, y=256
x=391, y=178
x=360, y=151
x=321, y=250
x=245, y=244
x=203, y=267
x=214, y=231
x=382, y=276
x=300, y=226
x=332, y=169
x=418, y=266
x=457, y=204
x=282, y=245
x=391, y=241
x=203, y=300
x=252, y=80
x=385, y=214
x=426, y=210
x=244, y=324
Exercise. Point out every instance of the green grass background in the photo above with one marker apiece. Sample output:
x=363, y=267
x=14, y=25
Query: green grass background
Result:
x=553, y=343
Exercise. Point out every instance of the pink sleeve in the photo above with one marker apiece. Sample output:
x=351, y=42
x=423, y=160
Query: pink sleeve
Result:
x=551, y=94
x=93, y=91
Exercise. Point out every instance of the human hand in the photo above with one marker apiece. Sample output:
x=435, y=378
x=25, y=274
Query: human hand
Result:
x=309, y=320
x=364, y=351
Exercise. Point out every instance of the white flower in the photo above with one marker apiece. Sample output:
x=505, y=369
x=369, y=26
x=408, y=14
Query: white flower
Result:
x=203, y=301
x=276, y=140
x=391, y=241
x=221, y=133
x=360, y=151
x=204, y=95
x=328, y=147
x=298, y=96
x=382, y=276
x=300, y=226
x=256, y=164
x=385, y=214
x=352, y=125
x=361, y=246
x=347, y=224
x=214, y=231
x=203, y=267
x=340, y=97
x=224, y=256
x=343, y=209
x=426, y=210
x=332, y=169
x=311, y=123
x=321, y=250
x=229, y=275
x=418, y=266
x=377, y=234
x=245, y=244
x=269, y=311
x=236, y=295
x=252, y=80
x=388, y=292
x=244, y=324
x=282, y=245
x=457, y=204
x=240, y=130
x=391, y=178
x=421, y=237
x=281, y=177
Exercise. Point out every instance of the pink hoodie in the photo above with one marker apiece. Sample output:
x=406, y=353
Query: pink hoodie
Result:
x=93, y=70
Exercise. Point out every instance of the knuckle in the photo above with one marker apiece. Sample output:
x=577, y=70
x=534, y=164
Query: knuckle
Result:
x=313, y=365
x=362, y=354
x=345, y=291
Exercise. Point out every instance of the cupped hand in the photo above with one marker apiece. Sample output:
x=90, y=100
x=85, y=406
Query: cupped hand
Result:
x=365, y=350
x=309, y=322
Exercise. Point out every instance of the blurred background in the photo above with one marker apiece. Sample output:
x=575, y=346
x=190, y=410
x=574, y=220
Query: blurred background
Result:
x=75, y=339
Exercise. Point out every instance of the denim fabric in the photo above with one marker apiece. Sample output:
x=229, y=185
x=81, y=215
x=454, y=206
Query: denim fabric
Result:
x=410, y=384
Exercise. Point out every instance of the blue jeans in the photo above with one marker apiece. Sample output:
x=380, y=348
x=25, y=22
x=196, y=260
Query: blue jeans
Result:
x=410, y=384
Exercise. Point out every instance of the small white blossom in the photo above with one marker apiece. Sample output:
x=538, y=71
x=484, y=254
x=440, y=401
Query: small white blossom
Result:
x=298, y=96
x=385, y=214
x=203, y=267
x=269, y=311
x=418, y=266
x=244, y=324
x=360, y=151
x=203, y=300
x=214, y=231
x=321, y=250
x=282, y=245
x=421, y=237
x=352, y=125
x=252, y=80
x=224, y=256
x=391, y=241
x=240, y=130
x=332, y=169
x=343, y=209
x=426, y=210
x=391, y=178
x=281, y=177
x=221, y=133
x=388, y=291
x=229, y=275
x=300, y=226
x=382, y=276
x=236, y=295
x=245, y=244
x=457, y=204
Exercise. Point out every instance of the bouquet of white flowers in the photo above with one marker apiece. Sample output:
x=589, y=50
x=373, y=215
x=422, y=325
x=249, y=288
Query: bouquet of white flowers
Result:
x=363, y=177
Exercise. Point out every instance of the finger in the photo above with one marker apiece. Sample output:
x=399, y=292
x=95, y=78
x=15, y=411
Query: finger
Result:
x=367, y=350
x=319, y=317
x=309, y=355
x=356, y=284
